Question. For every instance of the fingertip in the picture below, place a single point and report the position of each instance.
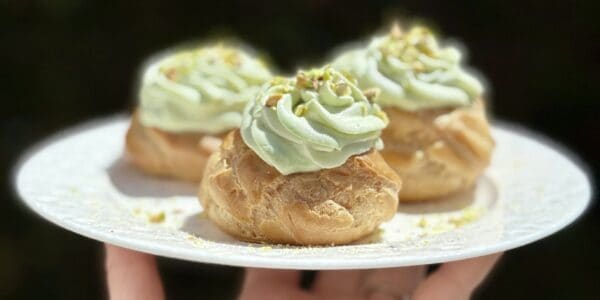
(456, 280)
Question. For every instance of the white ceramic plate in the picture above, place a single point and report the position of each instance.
(79, 181)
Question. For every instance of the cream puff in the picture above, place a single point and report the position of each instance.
(438, 139)
(187, 102)
(304, 168)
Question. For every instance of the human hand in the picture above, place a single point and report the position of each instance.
(134, 275)
(454, 280)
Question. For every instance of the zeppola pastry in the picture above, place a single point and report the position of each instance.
(304, 168)
(187, 102)
(438, 139)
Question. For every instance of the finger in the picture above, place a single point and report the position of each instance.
(337, 283)
(456, 280)
(132, 275)
(272, 284)
(393, 282)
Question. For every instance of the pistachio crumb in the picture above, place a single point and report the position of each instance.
(468, 215)
(372, 93)
(300, 110)
(273, 99)
(342, 88)
(170, 73)
(396, 31)
(315, 84)
(301, 80)
(422, 222)
(418, 66)
(232, 58)
(326, 75)
(157, 217)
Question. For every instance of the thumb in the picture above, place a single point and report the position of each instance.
(132, 275)
(272, 284)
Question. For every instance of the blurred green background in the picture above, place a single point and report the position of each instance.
(67, 61)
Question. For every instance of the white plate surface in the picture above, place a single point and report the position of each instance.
(79, 181)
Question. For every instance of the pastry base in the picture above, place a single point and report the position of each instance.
(251, 200)
(179, 155)
(437, 152)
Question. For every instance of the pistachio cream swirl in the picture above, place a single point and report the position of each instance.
(412, 71)
(314, 121)
(201, 90)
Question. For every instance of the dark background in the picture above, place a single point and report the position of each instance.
(63, 62)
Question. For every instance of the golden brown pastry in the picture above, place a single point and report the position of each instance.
(188, 100)
(277, 180)
(182, 156)
(437, 152)
(438, 139)
(251, 200)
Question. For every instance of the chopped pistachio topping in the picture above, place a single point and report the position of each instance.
(313, 121)
(408, 46)
(372, 93)
(300, 110)
(412, 71)
(200, 90)
(272, 100)
(157, 217)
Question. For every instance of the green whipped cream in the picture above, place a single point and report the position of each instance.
(314, 121)
(202, 90)
(411, 71)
